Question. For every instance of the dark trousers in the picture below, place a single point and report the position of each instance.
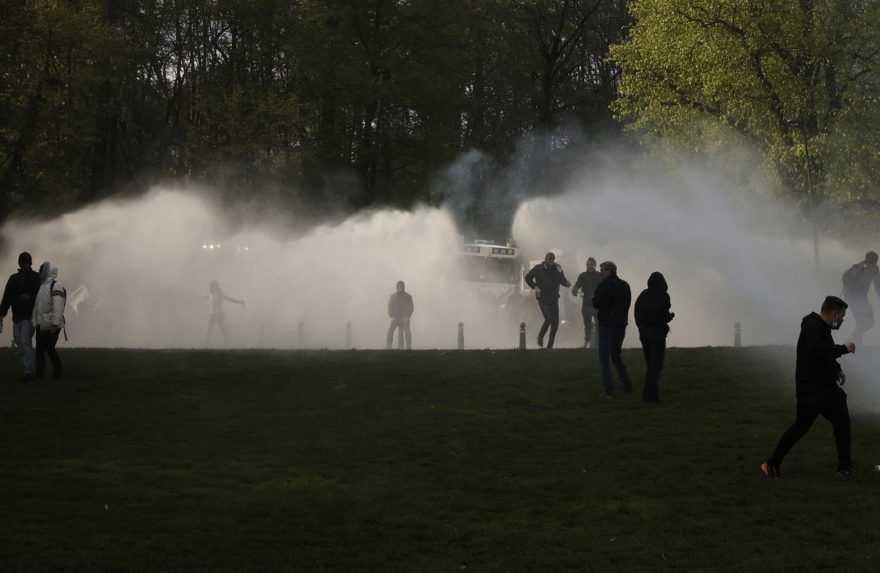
(654, 349)
(610, 347)
(46, 341)
(833, 407)
(588, 312)
(403, 331)
(550, 310)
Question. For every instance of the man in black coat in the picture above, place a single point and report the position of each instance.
(545, 279)
(19, 295)
(611, 301)
(587, 282)
(653, 318)
(817, 375)
(857, 282)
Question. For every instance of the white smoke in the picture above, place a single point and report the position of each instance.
(147, 263)
(727, 255)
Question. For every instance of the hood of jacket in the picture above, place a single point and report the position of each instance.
(657, 282)
(48, 272)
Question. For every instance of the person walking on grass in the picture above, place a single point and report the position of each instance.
(586, 283)
(652, 314)
(545, 279)
(857, 282)
(49, 319)
(19, 295)
(818, 381)
(612, 301)
(400, 310)
(217, 299)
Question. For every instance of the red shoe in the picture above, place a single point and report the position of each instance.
(771, 470)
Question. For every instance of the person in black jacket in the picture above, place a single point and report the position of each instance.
(19, 295)
(611, 301)
(587, 282)
(817, 375)
(400, 310)
(545, 279)
(856, 286)
(653, 318)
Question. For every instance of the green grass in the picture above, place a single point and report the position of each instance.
(425, 461)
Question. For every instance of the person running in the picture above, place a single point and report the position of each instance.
(612, 301)
(400, 310)
(856, 285)
(217, 298)
(652, 314)
(818, 381)
(19, 295)
(545, 279)
(586, 283)
(49, 319)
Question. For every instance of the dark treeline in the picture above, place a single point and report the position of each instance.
(325, 103)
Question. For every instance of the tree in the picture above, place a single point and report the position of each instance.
(786, 76)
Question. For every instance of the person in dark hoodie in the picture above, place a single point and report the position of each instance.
(611, 301)
(19, 295)
(818, 378)
(586, 283)
(545, 279)
(653, 318)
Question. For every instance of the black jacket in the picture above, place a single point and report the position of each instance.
(548, 280)
(817, 369)
(400, 305)
(612, 299)
(20, 294)
(587, 282)
(652, 308)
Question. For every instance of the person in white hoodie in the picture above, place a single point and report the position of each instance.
(49, 319)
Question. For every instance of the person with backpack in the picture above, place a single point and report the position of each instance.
(400, 310)
(49, 319)
(19, 295)
(652, 318)
(586, 283)
(545, 279)
(856, 285)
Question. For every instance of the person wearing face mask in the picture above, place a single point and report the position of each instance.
(587, 282)
(545, 279)
(818, 378)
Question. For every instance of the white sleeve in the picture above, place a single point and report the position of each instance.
(59, 302)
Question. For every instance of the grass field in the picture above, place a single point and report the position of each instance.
(424, 461)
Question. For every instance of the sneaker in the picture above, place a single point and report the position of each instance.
(27, 378)
(540, 342)
(771, 470)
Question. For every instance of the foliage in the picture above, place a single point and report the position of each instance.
(797, 79)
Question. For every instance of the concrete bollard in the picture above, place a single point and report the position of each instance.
(461, 336)
(348, 337)
(737, 335)
(300, 336)
(522, 335)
